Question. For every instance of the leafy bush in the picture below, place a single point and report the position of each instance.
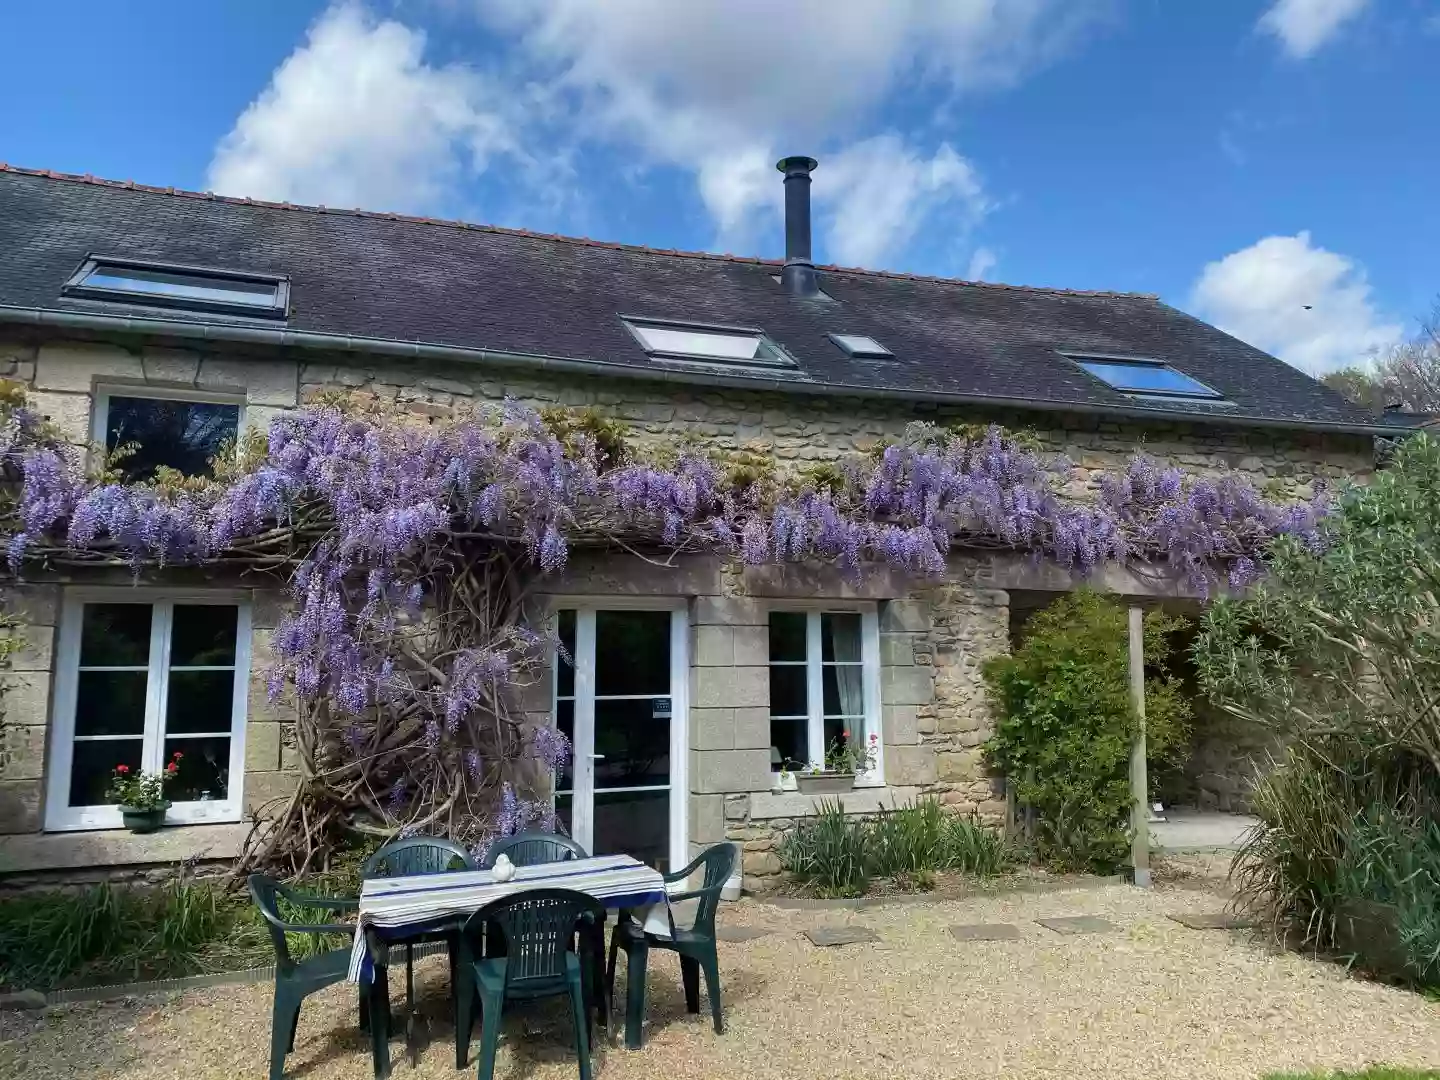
(1338, 650)
(1065, 724)
(838, 855)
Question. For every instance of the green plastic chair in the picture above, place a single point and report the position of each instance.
(533, 848)
(539, 927)
(402, 858)
(695, 945)
(296, 980)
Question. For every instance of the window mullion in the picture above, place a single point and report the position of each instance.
(157, 685)
(814, 691)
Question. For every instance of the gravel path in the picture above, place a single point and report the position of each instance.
(1151, 1000)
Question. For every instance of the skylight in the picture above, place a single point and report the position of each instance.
(859, 345)
(164, 285)
(708, 344)
(1148, 377)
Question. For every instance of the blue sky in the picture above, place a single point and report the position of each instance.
(1267, 164)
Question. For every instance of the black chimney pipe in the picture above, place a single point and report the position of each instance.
(798, 277)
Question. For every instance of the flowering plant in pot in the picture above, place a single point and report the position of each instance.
(844, 757)
(141, 795)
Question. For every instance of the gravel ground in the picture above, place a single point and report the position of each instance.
(1151, 1000)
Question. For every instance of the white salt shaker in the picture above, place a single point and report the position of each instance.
(504, 869)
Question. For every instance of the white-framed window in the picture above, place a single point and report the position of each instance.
(824, 682)
(140, 676)
(181, 429)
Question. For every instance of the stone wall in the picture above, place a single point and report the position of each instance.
(934, 636)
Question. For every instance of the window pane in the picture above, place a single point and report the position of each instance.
(565, 814)
(701, 342)
(1143, 378)
(110, 703)
(787, 635)
(840, 636)
(565, 721)
(204, 772)
(190, 286)
(787, 690)
(844, 686)
(115, 635)
(632, 652)
(203, 635)
(93, 763)
(199, 701)
(634, 739)
(565, 670)
(788, 741)
(634, 823)
(184, 435)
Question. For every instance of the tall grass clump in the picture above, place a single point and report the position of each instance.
(838, 855)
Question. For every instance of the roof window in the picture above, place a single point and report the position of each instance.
(226, 292)
(708, 344)
(860, 346)
(1149, 378)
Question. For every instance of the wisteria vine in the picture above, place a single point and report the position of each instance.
(410, 550)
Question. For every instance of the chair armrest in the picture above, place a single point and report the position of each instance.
(685, 871)
(694, 893)
(303, 899)
(318, 928)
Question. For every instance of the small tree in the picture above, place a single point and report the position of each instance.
(1066, 724)
(1407, 376)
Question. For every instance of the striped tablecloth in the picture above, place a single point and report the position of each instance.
(431, 899)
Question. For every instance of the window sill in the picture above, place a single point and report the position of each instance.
(115, 847)
(860, 800)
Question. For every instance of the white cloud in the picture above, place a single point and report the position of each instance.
(719, 89)
(982, 261)
(1311, 307)
(355, 117)
(1304, 26)
(725, 87)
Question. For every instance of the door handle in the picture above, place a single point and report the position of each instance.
(596, 757)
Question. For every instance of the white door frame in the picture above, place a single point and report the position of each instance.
(582, 799)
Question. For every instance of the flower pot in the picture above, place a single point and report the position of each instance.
(825, 783)
(144, 821)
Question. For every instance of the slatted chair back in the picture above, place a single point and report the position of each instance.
(534, 848)
(719, 862)
(417, 855)
(539, 927)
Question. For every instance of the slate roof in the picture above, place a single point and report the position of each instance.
(394, 278)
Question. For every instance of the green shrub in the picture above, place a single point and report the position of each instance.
(828, 851)
(838, 855)
(1065, 725)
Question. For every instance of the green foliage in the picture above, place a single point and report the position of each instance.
(1065, 724)
(108, 934)
(838, 855)
(1338, 650)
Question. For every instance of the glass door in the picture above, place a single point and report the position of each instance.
(620, 700)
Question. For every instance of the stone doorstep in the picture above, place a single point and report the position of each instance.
(829, 936)
(986, 932)
(1079, 924)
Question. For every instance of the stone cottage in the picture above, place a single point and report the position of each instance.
(175, 320)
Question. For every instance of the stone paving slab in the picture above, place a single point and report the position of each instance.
(1078, 924)
(740, 933)
(986, 932)
(827, 936)
(1219, 921)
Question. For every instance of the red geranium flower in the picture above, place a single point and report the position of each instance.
(178, 755)
(171, 767)
(846, 733)
(122, 769)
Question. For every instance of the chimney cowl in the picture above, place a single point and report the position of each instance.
(798, 277)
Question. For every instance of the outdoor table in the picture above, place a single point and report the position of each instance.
(393, 909)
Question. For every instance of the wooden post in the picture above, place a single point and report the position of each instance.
(1139, 780)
